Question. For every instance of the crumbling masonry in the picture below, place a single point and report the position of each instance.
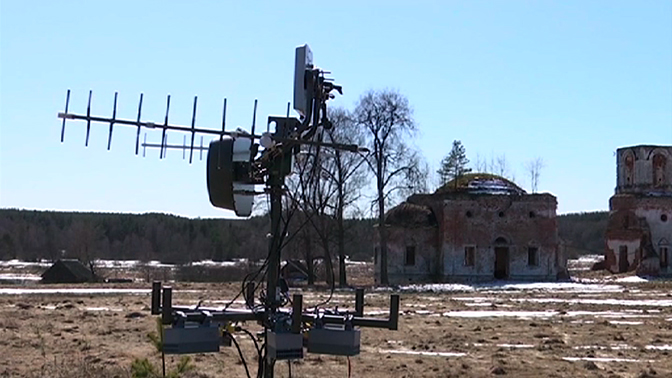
(640, 212)
(477, 228)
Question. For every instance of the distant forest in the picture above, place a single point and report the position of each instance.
(583, 233)
(33, 235)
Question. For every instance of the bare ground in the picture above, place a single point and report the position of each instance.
(526, 333)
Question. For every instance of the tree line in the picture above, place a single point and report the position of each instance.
(583, 233)
(34, 235)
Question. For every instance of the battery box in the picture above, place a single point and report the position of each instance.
(334, 340)
(284, 345)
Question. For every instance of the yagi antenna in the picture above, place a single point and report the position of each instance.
(193, 128)
(114, 115)
(88, 121)
(138, 123)
(137, 136)
(162, 146)
(67, 101)
(165, 124)
(165, 146)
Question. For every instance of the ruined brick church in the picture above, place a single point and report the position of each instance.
(639, 229)
(478, 227)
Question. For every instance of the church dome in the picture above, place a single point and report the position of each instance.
(480, 183)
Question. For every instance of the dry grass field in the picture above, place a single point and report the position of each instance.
(603, 326)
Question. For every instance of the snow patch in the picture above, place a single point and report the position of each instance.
(605, 302)
(352, 262)
(495, 314)
(631, 279)
(437, 288)
(602, 347)
(234, 262)
(19, 277)
(498, 286)
(658, 347)
(584, 262)
(24, 264)
(78, 291)
(516, 346)
(600, 359)
(103, 309)
(540, 314)
(422, 353)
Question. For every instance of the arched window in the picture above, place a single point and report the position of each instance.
(659, 162)
(501, 240)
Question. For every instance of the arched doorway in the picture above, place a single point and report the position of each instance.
(623, 263)
(501, 259)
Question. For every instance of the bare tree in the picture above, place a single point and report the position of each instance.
(309, 201)
(387, 118)
(297, 213)
(533, 169)
(348, 176)
(85, 238)
(501, 166)
(481, 164)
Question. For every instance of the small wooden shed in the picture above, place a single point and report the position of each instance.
(67, 271)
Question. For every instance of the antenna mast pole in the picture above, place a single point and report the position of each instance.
(275, 183)
(234, 168)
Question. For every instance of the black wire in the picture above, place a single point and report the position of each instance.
(265, 266)
(259, 276)
(256, 346)
(289, 366)
(291, 237)
(331, 292)
(328, 254)
(262, 365)
(242, 290)
(258, 272)
(254, 340)
(333, 283)
(240, 353)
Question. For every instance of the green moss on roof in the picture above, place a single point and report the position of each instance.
(480, 183)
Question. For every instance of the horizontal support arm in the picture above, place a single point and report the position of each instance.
(198, 315)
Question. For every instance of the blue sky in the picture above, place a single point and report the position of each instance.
(567, 81)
